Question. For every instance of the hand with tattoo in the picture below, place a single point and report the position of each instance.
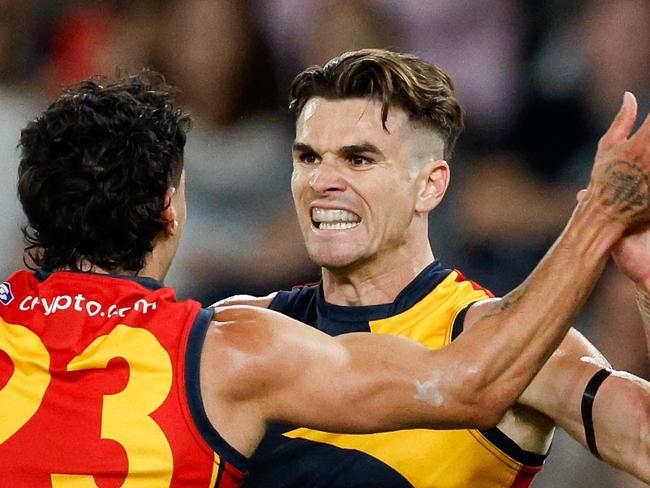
(626, 168)
(620, 180)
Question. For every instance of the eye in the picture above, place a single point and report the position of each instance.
(356, 160)
(308, 158)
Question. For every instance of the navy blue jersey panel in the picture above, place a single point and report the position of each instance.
(320, 466)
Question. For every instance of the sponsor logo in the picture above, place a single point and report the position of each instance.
(79, 303)
(6, 295)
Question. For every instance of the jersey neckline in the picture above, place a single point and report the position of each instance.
(150, 283)
(416, 290)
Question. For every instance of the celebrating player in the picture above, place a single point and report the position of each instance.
(374, 133)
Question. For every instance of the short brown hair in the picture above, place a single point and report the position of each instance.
(422, 90)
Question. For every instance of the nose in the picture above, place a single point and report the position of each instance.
(326, 177)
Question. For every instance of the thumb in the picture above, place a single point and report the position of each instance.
(622, 124)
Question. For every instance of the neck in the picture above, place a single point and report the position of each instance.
(373, 283)
(159, 260)
(152, 268)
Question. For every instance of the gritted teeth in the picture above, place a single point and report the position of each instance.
(334, 218)
(337, 226)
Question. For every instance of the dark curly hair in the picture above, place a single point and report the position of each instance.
(94, 170)
(422, 90)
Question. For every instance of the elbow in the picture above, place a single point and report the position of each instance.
(482, 418)
(487, 402)
(487, 414)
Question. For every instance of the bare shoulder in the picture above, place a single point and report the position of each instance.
(250, 349)
(253, 301)
(241, 362)
(241, 336)
(235, 349)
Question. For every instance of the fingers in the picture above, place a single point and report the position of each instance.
(623, 122)
(580, 195)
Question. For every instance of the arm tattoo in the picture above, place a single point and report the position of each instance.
(507, 302)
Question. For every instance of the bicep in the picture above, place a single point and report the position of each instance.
(358, 383)
(352, 383)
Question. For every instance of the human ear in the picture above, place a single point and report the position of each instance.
(435, 180)
(168, 214)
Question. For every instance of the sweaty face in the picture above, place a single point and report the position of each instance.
(352, 184)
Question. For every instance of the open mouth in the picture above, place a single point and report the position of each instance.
(334, 219)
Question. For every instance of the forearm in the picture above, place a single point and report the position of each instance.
(524, 328)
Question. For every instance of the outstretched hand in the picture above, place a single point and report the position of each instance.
(620, 179)
(621, 174)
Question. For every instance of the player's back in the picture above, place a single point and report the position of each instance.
(99, 386)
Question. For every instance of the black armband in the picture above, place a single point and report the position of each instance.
(588, 405)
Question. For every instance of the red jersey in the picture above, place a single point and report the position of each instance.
(99, 386)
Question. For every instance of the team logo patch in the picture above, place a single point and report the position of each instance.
(6, 295)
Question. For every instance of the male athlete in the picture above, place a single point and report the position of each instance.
(106, 380)
(374, 130)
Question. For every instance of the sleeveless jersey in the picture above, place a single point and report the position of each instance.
(429, 310)
(99, 386)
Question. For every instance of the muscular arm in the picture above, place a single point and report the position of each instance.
(260, 366)
(272, 368)
(551, 296)
(621, 409)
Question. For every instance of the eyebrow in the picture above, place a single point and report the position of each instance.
(302, 147)
(343, 151)
(360, 149)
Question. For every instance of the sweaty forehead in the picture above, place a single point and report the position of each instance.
(348, 121)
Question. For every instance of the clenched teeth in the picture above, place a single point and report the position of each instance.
(334, 219)
(337, 226)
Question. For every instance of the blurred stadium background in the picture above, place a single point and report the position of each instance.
(539, 82)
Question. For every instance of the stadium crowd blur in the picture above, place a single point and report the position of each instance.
(539, 81)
